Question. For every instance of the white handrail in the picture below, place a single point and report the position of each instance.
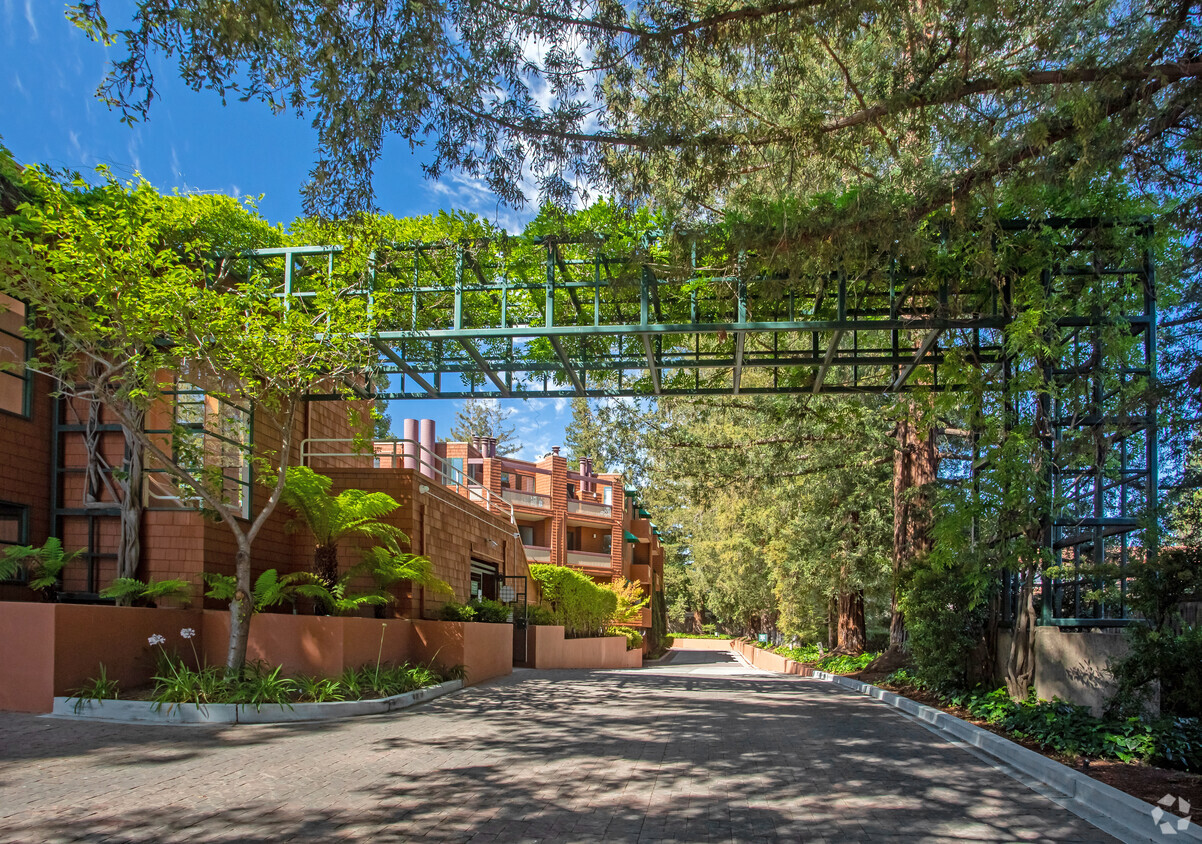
(444, 473)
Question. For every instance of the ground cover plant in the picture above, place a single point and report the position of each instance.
(822, 660)
(1069, 729)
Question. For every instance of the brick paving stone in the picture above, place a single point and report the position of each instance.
(690, 752)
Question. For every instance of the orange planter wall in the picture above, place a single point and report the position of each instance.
(484, 650)
(549, 649)
(312, 645)
(53, 649)
(701, 644)
(769, 661)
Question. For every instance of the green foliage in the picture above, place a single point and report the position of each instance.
(576, 602)
(485, 418)
(1165, 654)
(271, 589)
(259, 684)
(42, 567)
(99, 688)
(130, 590)
(319, 689)
(1072, 730)
(831, 663)
(631, 601)
(387, 564)
(945, 622)
(452, 611)
(539, 616)
(634, 639)
(489, 612)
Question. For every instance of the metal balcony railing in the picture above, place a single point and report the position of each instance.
(537, 554)
(587, 508)
(588, 559)
(391, 454)
(527, 499)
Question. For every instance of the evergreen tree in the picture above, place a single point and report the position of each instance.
(584, 435)
(485, 418)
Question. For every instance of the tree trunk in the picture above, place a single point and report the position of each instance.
(129, 552)
(852, 634)
(832, 623)
(1020, 665)
(242, 607)
(915, 467)
(325, 564)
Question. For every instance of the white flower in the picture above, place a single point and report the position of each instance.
(187, 632)
(156, 639)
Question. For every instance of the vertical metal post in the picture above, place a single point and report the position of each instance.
(458, 319)
(287, 280)
(550, 287)
(1151, 434)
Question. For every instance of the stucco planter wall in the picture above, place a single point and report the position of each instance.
(50, 650)
(53, 649)
(484, 650)
(140, 711)
(769, 661)
(700, 644)
(549, 649)
(320, 646)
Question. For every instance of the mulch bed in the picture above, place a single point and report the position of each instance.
(1147, 782)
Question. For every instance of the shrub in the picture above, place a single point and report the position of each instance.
(1164, 652)
(944, 625)
(634, 639)
(538, 615)
(490, 612)
(131, 591)
(452, 611)
(581, 606)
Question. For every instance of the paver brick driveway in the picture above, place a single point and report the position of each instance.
(696, 751)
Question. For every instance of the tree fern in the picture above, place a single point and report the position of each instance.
(42, 567)
(331, 517)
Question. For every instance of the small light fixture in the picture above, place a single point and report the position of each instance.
(492, 543)
(423, 488)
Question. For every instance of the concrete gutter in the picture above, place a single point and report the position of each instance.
(145, 712)
(1114, 812)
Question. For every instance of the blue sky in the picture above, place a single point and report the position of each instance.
(49, 115)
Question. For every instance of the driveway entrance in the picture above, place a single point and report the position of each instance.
(700, 748)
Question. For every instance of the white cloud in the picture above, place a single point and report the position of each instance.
(20, 87)
(29, 18)
(561, 405)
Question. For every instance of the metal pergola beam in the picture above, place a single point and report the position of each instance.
(820, 377)
(928, 342)
(649, 346)
(471, 349)
(406, 369)
(567, 364)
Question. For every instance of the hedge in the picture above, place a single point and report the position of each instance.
(581, 606)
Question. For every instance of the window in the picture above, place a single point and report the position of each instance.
(571, 490)
(14, 524)
(455, 473)
(505, 484)
(527, 534)
(212, 434)
(607, 495)
(14, 349)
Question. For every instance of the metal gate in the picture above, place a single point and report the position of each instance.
(511, 591)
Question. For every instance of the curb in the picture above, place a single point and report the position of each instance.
(144, 711)
(1115, 812)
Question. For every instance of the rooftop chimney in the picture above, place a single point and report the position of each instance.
(555, 450)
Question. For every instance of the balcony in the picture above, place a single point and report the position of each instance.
(589, 560)
(526, 499)
(537, 554)
(587, 508)
(641, 573)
